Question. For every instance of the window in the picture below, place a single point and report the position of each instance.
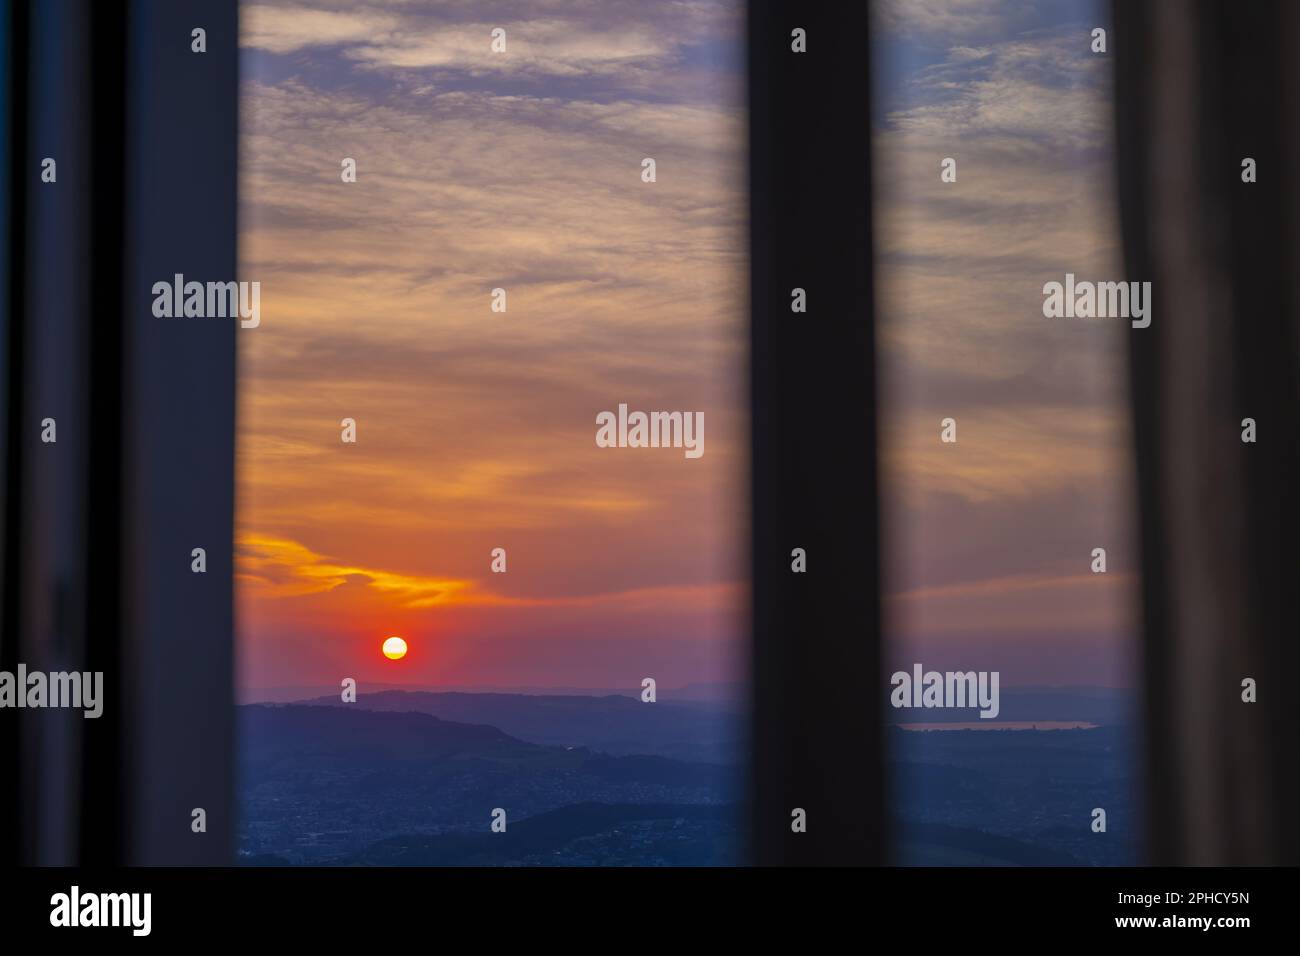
(1008, 545)
(493, 435)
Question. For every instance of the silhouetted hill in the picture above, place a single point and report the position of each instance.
(689, 730)
(298, 734)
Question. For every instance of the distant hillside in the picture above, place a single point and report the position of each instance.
(320, 783)
(1035, 787)
(614, 724)
(278, 735)
(1097, 705)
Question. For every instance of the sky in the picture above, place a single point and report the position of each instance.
(988, 541)
(521, 170)
(476, 429)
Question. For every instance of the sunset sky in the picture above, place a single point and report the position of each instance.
(989, 541)
(476, 430)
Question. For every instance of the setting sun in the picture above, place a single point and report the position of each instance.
(394, 648)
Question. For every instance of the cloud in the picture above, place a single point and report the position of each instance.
(1036, 604)
(1016, 452)
(281, 568)
(290, 28)
(1027, 92)
(271, 567)
(614, 41)
(960, 23)
(554, 47)
(962, 264)
(945, 19)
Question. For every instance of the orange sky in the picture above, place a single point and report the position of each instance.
(476, 429)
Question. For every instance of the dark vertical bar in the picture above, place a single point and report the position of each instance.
(16, 185)
(1257, 100)
(1132, 29)
(104, 824)
(1199, 87)
(817, 687)
(178, 492)
(98, 526)
(55, 370)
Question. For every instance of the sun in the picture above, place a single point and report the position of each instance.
(394, 648)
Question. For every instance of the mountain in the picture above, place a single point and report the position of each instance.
(276, 737)
(692, 730)
(319, 784)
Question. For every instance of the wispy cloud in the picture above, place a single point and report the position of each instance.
(617, 41)
(282, 568)
(957, 23)
(1027, 94)
(290, 28)
(279, 568)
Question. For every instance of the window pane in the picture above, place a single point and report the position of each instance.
(1008, 543)
(472, 244)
